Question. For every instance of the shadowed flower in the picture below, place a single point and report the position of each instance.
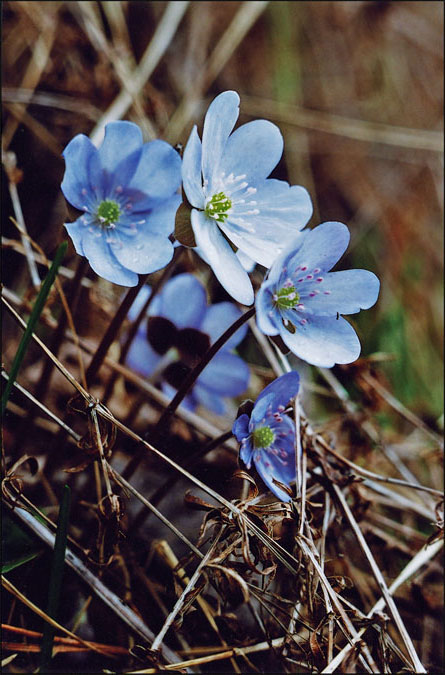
(225, 180)
(126, 189)
(178, 332)
(268, 437)
(302, 301)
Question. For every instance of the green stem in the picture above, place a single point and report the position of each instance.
(55, 580)
(33, 319)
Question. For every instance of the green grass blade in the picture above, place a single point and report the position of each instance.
(35, 314)
(55, 580)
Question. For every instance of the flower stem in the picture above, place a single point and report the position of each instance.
(197, 370)
(166, 274)
(185, 388)
(113, 330)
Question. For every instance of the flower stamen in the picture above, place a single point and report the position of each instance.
(108, 212)
(218, 207)
(263, 437)
(286, 297)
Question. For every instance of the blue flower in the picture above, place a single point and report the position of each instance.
(268, 437)
(225, 180)
(126, 190)
(302, 301)
(179, 330)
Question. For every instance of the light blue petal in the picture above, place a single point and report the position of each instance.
(141, 357)
(345, 292)
(103, 261)
(183, 301)
(219, 121)
(323, 341)
(208, 399)
(159, 217)
(277, 213)
(278, 394)
(261, 410)
(246, 452)
(144, 253)
(226, 375)
(321, 248)
(82, 183)
(218, 318)
(76, 231)
(279, 463)
(246, 261)
(191, 170)
(158, 174)
(121, 140)
(240, 428)
(279, 269)
(267, 317)
(254, 149)
(161, 220)
(139, 302)
(222, 259)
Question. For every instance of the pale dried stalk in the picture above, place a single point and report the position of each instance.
(165, 31)
(369, 474)
(9, 160)
(421, 558)
(163, 549)
(171, 617)
(44, 409)
(34, 608)
(40, 55)
(288, 560)
(244, 19)
(265, 346)
(218, 656)
(195, 420)
(418, 667)
(400, 408)
(103, 592)
(122, 66)
(63, 299)
(351, 407)
(103, 461)
(360, 130)
(397, 500)
(128, 486)
(49, 100)
(311, 555)
(63, 271)
(65, 372)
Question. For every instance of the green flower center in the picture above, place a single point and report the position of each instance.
(263, 437)
(287, 297)
(108, 212)
(218, 207)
